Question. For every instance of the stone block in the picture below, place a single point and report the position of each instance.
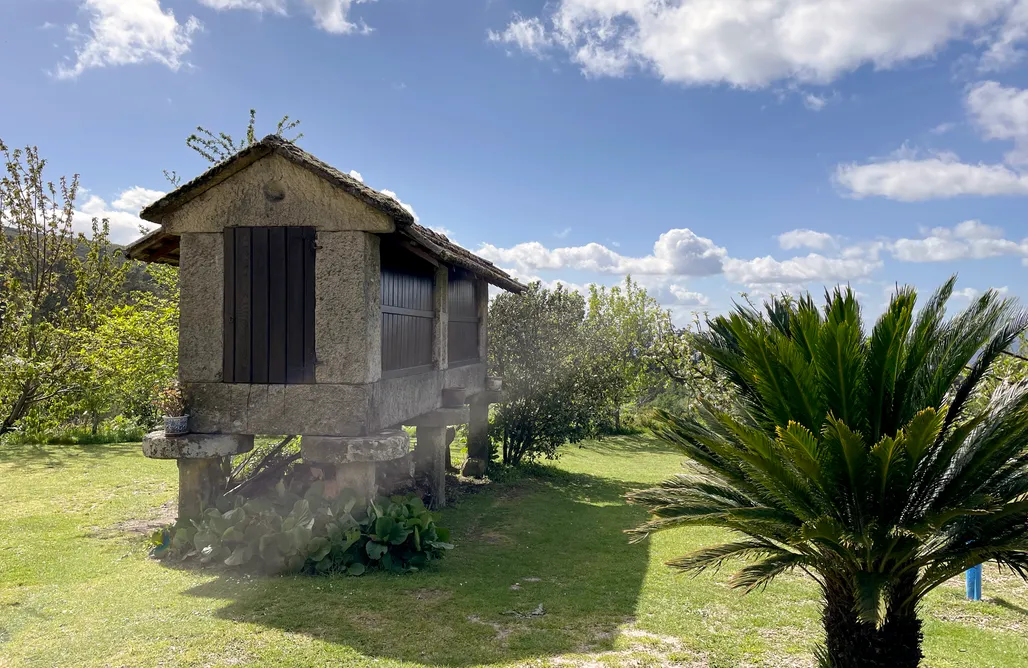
(356, 476)
(441, 417)
(200, 483)
(473, 467)
(328, 410)
(430, 462)
(348, 320)
(201, 322)
(157, 445)
(381, 447)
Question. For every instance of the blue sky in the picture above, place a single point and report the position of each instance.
(708, 147)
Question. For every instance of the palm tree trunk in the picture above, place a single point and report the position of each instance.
(853, 643)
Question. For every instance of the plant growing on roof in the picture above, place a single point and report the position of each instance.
(870, 462)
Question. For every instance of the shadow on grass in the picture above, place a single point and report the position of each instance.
(626, 445)
(57, 456)
(555, 541)
(1004, 603)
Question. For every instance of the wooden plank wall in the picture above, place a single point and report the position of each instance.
(407, 320)
(462, 342)
(269, 305)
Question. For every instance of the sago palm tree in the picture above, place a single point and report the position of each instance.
(875, 464)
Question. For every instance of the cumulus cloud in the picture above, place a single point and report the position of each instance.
(937, 177)
(1001, 112)
(329, 15)
(806, 239)
(122, 214)
(127, 33)
(137, 198)
(997, 112)
(678, 252)
(753, 44)
(812, 268)
(969, 240)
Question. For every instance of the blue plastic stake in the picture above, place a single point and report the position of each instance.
(973, 583)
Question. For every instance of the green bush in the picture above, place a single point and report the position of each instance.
(289, 533)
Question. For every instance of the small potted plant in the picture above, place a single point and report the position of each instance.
(172, 406)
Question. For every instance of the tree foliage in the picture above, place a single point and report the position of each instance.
(54, 285)
(621, 327)
(534, 343)
(861, 459)
(132, 350)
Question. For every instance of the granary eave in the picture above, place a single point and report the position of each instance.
(163, 248)
(251, 154)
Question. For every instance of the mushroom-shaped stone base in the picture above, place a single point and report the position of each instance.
(356, 459)
(202, 465)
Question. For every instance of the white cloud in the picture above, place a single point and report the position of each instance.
(752, 43)
(390, 193)
(813, 268)
(678, 252)
(940, 176)
(563, 234)
(997, 112)
(136, 198)
(529, 35)
(943, 128)
(814, 102)
(971, 294)
(121, 215)
(125, 33)
(969, 240)
(1000, 112)
(275, 6)
(806, 239)
(1006, 46)
(686, 297)
(329, 15)
(357, 175)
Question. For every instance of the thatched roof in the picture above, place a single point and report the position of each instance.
(161, 246)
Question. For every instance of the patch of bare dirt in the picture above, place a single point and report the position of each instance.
(432, 596)
(165, 515)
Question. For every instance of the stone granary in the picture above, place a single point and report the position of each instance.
(314, 305)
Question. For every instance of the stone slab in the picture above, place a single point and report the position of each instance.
(382, 447)
(442, 417)
(157, 445)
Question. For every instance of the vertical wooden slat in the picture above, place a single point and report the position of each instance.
(294, 305)
(277, 305)
(308, 304)
(259, 321)
(243, 302)
(228, 316)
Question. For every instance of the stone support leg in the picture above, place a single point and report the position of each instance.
(356, 459)
(359, 477)
(478, 439)
(430, 461)
(200, 483)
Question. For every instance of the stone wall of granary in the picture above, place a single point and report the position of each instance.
(349, 396)
(273, 192)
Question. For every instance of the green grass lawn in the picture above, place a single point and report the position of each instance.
(77, 587)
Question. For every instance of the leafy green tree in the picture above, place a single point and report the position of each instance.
(132, 351)
(621, 327)
(534, 345)
(861, 460)
(53, 284)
